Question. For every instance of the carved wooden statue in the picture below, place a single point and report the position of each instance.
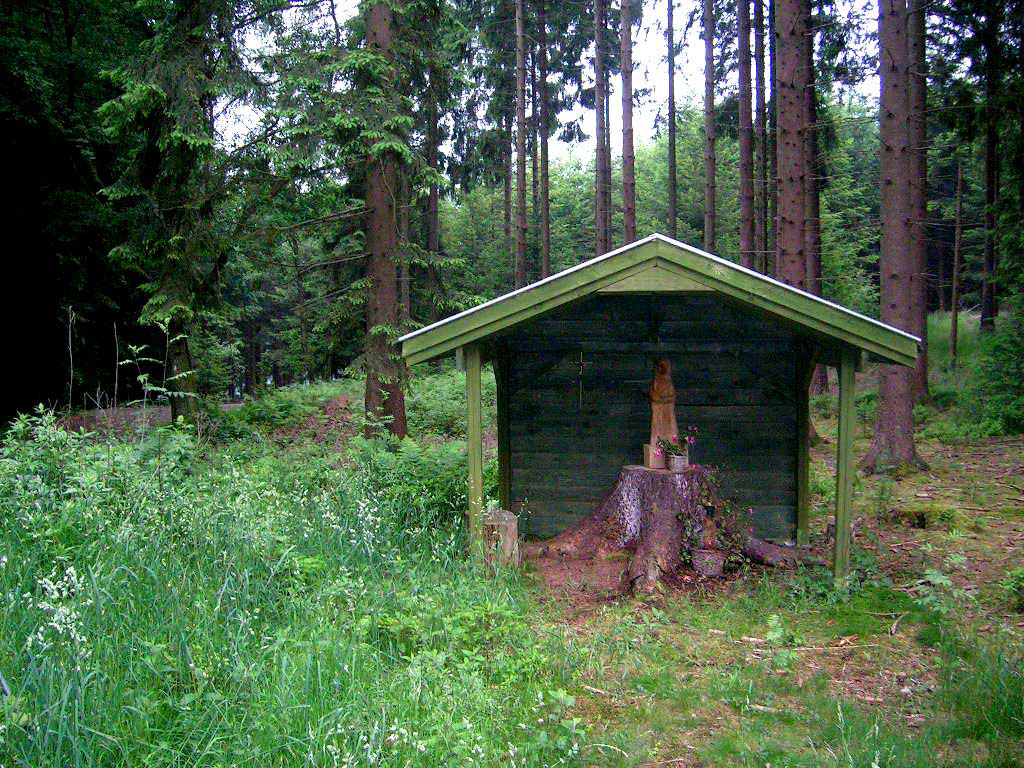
(663, 403)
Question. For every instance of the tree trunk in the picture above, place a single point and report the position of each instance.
(628, 161)
(772, 183)
(954, 293)
(708, 29)
(646, 510)
(385, 400)
(404, 200)
(673, 213)
(748, 226)
(893, 443)
(534, 158)
(812, 195)
(993, 79)
(545, 188)
(520, 263)
(760, 145)
(181, 374)
(791, 112)
(916, 41)
(507, 180)
(601, 244)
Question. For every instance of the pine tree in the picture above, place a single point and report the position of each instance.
(893, 443)
(628, 160)
(673, 213)
(748, 247)
(708, 32)
(791, 113)
(520, 260)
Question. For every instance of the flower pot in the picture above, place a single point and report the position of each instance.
(708, 562)
(679, 462)
(654, 458)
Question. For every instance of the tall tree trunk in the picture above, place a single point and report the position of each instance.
(812, 193)
(607, 186)
(772, 182)
(628, 160)
(404, 201)
(791, 113)
(534, 153)
(916, 42)
(181, 374)
(601, 238)
(545, 188)
(993, 77)
(893, 443)
(385, 400)
(748, 226)
(520, 270)
(708, 31)
(760, 145)
(954, 293)
(507, 169)
(673, 213)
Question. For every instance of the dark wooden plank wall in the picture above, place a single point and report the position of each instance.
(735, 378)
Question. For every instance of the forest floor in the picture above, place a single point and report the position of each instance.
(767, 669)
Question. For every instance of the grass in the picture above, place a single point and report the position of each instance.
(174, 600)
(249, 608)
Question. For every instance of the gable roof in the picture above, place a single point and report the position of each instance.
(661, 264)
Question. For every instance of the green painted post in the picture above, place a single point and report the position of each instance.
(844, 465)
(474, 442)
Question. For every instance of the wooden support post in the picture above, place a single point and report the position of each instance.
(502, 379)
(474, 443)
(844, 466)
(803, 454)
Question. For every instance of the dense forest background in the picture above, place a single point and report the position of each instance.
(242, 195)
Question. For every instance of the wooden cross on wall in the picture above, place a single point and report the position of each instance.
(582, 364)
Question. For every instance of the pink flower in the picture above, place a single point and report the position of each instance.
(675, 438)
(657, 451)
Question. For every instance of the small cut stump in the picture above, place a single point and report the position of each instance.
(644, 514)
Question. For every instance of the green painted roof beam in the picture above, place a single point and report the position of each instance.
(789, 305)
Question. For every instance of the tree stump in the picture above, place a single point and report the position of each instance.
(645, 512)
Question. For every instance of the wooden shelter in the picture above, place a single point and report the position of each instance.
(572, 357)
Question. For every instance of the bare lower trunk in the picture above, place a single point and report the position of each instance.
(520, 262)
(893, 443)
(954, 293)
(545, 188)
(628, 173)
(385, 400)
(791, 112)
(673, 212)
(993, 82)
(601, 234)
(918, 104)
(404, 248)
(760, 144)
(708, 27)
(771, 246)
(181, 375)
(748, 226)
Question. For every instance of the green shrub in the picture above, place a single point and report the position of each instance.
(823, 406)
(1000, 381)
(1013, 585)
(866, 406)
(250, 609)
(436, 403)
(983, 684)
(422, 484)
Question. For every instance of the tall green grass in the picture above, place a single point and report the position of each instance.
(248, 609)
